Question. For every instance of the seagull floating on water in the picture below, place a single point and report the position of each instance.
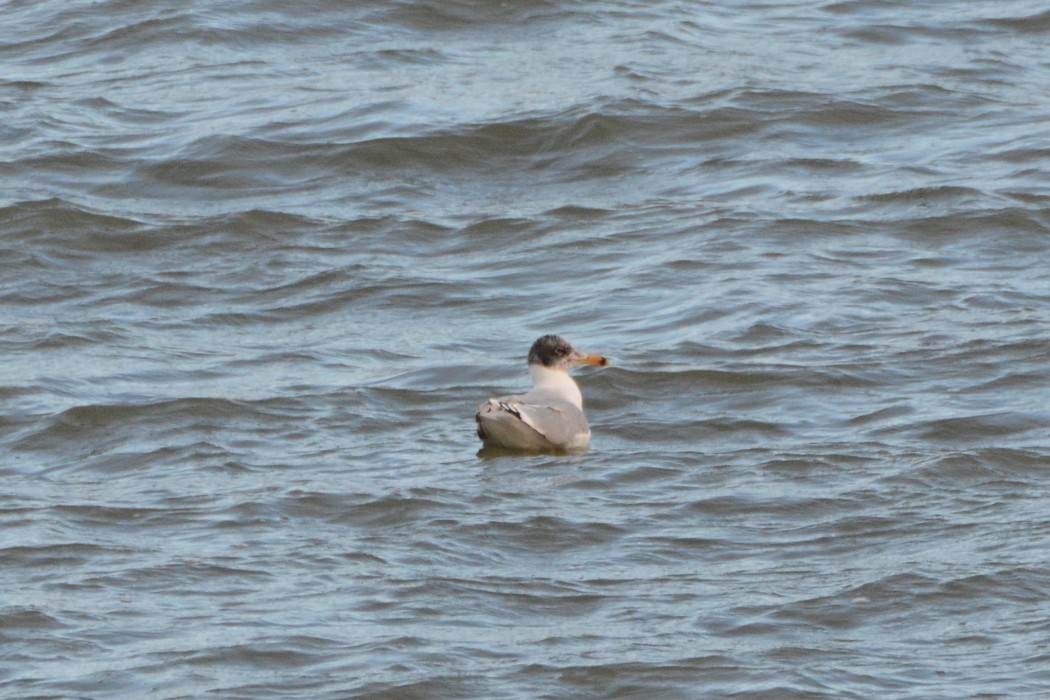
(550, 416)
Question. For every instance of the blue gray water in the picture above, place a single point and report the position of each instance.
(261, 261)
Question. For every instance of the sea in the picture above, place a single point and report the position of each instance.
(261, 261)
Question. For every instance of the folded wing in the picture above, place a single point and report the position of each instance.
(516, 422)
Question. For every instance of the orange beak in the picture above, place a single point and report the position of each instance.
(593, 360)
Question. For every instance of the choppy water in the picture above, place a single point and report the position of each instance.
(260, 262)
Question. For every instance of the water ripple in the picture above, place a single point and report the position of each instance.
(260, 266)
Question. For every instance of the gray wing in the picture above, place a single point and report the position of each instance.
(559, 421)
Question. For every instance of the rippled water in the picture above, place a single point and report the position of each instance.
(261, 261)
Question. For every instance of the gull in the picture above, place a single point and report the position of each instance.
(550, 416)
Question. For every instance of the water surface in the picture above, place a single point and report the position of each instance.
(260, 264)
